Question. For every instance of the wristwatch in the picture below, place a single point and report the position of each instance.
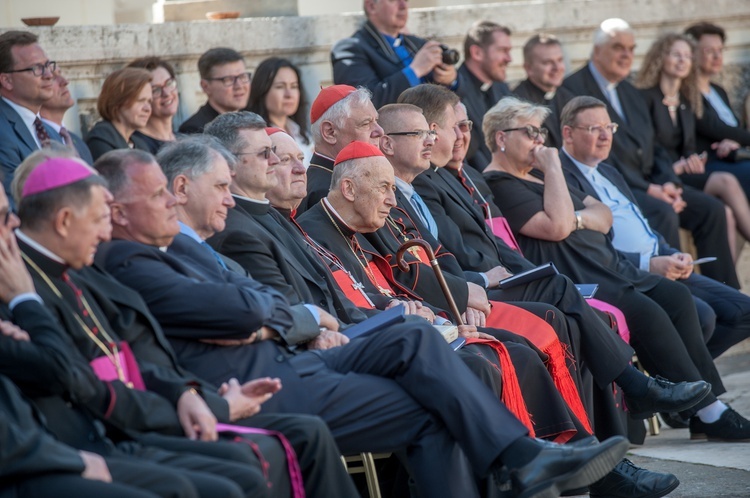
(579, 221)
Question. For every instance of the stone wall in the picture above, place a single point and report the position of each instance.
(89, 53)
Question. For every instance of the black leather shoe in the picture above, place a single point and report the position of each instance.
(674, 420)
(731, 427)
(560, 467)
(665, 396)
(628, 481)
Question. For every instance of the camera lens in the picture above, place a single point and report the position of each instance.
(450, 56)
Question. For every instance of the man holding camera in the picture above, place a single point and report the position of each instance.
(385, 60)
(482, 81)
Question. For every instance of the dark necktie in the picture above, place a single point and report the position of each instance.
(214, 254)
(469, 186)
(41, 132)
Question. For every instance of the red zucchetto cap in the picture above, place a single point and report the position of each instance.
(326, 98)
(55, 173)
(357, 150)
(270, 130)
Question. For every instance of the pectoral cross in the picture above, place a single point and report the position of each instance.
(358, 286)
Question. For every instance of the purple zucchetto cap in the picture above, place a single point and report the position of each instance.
(55, 173)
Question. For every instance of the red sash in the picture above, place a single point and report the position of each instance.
(511, 396)
(543, 336)
(347, 285)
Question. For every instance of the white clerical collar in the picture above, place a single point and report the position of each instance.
(257, 201)
(486, 86)
(336, 214)
(39, 247)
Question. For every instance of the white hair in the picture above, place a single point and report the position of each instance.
(339, 112)
(609, 28)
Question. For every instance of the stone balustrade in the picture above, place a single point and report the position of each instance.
(88, 53)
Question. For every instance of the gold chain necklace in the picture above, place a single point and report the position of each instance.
(111, 352)
(367, 270)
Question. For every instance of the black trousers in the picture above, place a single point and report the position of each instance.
(605, 354)
(317, 453)
(665, 332)
(705, 218)
(214, 468)
(75, 486)
(731, 307)
(404, 389)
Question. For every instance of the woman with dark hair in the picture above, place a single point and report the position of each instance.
(164, 104)
(124, 105)
(277, 95)
(668, 82)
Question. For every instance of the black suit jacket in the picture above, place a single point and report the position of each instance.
(710, 128)
(26, 448)
(194, 298)
(78, 408)
(127, 408)
(634, 150)
(199, 120)
(318, 181)
(677, 143)
(104, 137)
(529, 91)
(575, 179)
(477, 103)
(366, 59)
(134, 323)
(273, 252)
(461, 226)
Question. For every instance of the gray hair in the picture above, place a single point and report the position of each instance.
(192, 156)
(339, 112)
(609, 28)
(506, 114)
(353, 169)
(113, 165)
(226, 128)
(576, 106)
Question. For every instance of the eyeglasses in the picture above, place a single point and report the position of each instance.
(532, 131)
(422, 134)
(266, 152)
(465, 125)
(38, 69)
(227, 81)
(598, 129)
(160, 90)
(716, 52)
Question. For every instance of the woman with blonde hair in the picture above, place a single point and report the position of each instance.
(668, 83)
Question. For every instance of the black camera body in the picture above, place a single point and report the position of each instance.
(450, 55)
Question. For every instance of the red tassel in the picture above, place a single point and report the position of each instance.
(512, 397)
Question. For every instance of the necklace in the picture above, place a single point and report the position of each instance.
(672, 102)
(108, 346)
(327, 256)
(365, 267)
